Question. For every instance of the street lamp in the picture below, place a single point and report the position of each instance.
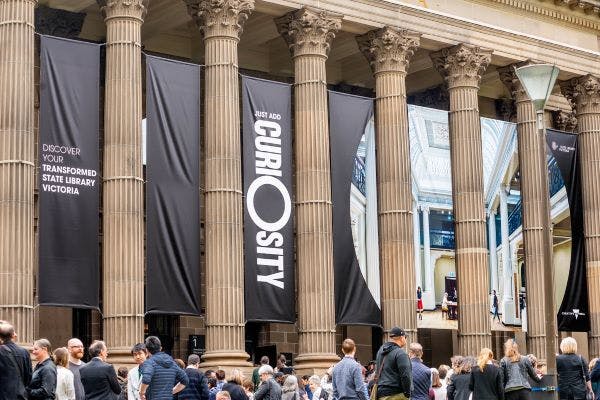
(538, 81)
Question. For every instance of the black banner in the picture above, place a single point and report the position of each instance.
(173, 187)
(573, 313)
(268, 224)
(348, 118)
(69, 185)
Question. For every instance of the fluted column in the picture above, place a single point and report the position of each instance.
(17, 165)
(309, 34)
(221, 23)
(388, 51)
(493, 244)
(534, 193)
(584, 92)
(462, 66)
(123, 185)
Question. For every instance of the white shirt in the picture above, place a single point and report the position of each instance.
(134, 380)
(65, 387)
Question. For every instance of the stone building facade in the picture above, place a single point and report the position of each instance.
(457, 55)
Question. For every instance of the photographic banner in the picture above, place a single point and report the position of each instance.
(69, 182)
(348, 119)
(573, 313)
(268, 224)
(172, 187)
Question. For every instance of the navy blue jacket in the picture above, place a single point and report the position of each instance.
(16, 367)
(421, 375)
(99, 380)
(161, 374)
(197, 389)
(43, 381)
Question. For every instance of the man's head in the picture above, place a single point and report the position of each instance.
(349, 347)
(209, 373)
(193, 360)
(280, 377)
(98, 349)
(153, 344)
(139, 353)
(220, 375)
(265, 372)
(75, 347)
(415, 350)
(223, 395)
(398, 336)
(122, 372)
(7, 332)
(264, 360)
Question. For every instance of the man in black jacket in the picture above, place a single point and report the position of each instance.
(394, 369)
(197, 389)
(99, 378)
(17, 361)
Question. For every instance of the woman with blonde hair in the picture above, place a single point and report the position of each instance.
(234, 385)
(572, 369)
(65, 386)
(486, 379)
(516, 369)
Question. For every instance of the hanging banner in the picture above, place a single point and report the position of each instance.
(573, 313)
(268, 224)
(172, 187)
(348, 119)
(69, 183)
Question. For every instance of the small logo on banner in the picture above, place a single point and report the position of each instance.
(562, 148)
(575, 313)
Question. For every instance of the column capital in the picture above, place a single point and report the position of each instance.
(388, 49)
(509, 78)
(426, 209)
(582, 91)
(220, 17)
(462, 65)
(564, 120)
(136, 9)
(491, 213)
(309, 31)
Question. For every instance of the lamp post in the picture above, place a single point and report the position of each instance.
(538, 81)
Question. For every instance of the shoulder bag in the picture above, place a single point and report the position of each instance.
(376, 379)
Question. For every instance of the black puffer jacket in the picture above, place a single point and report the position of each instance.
(396, 375)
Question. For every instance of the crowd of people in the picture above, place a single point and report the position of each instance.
(398, 373)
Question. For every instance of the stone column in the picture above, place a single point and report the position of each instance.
(493, 246)
(508, 301)
(417, 243)
(428, 289)
(309, 34)
(388, 51)
(534, 193)
(17, 151)
(221, 23)
(462, 66)
(584, 92)
(123, 184)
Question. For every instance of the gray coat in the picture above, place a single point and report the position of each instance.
(515, 373)
(268, 390)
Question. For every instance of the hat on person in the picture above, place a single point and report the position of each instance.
(397, 332)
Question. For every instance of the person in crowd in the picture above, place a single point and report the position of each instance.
(306, 386)
(15, 363)
(197, 388)
(420, 302)
(212, 383)
(393, 364)
(437, 387)
(370, 370)
(515, 370)
(234, 385)
(347, 376)
(458, 386)
(222, 395)
(99, 378)
(161, 377)
(264, 360)
(572, 369)
(248, 387)
(43, 379)
(122, 378)
(179, 363)
(421, 373)
(269, 389)
(315, 387)
(289, 391)
(281, 364)
(65, 386)
(445, 306)
(76, 353)
(443, 371)
(280, 378)
(495, 306)
(486, 379)
(220, 376)
(209, 373)
(327, 382)
(134, 376)
(595, 377)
